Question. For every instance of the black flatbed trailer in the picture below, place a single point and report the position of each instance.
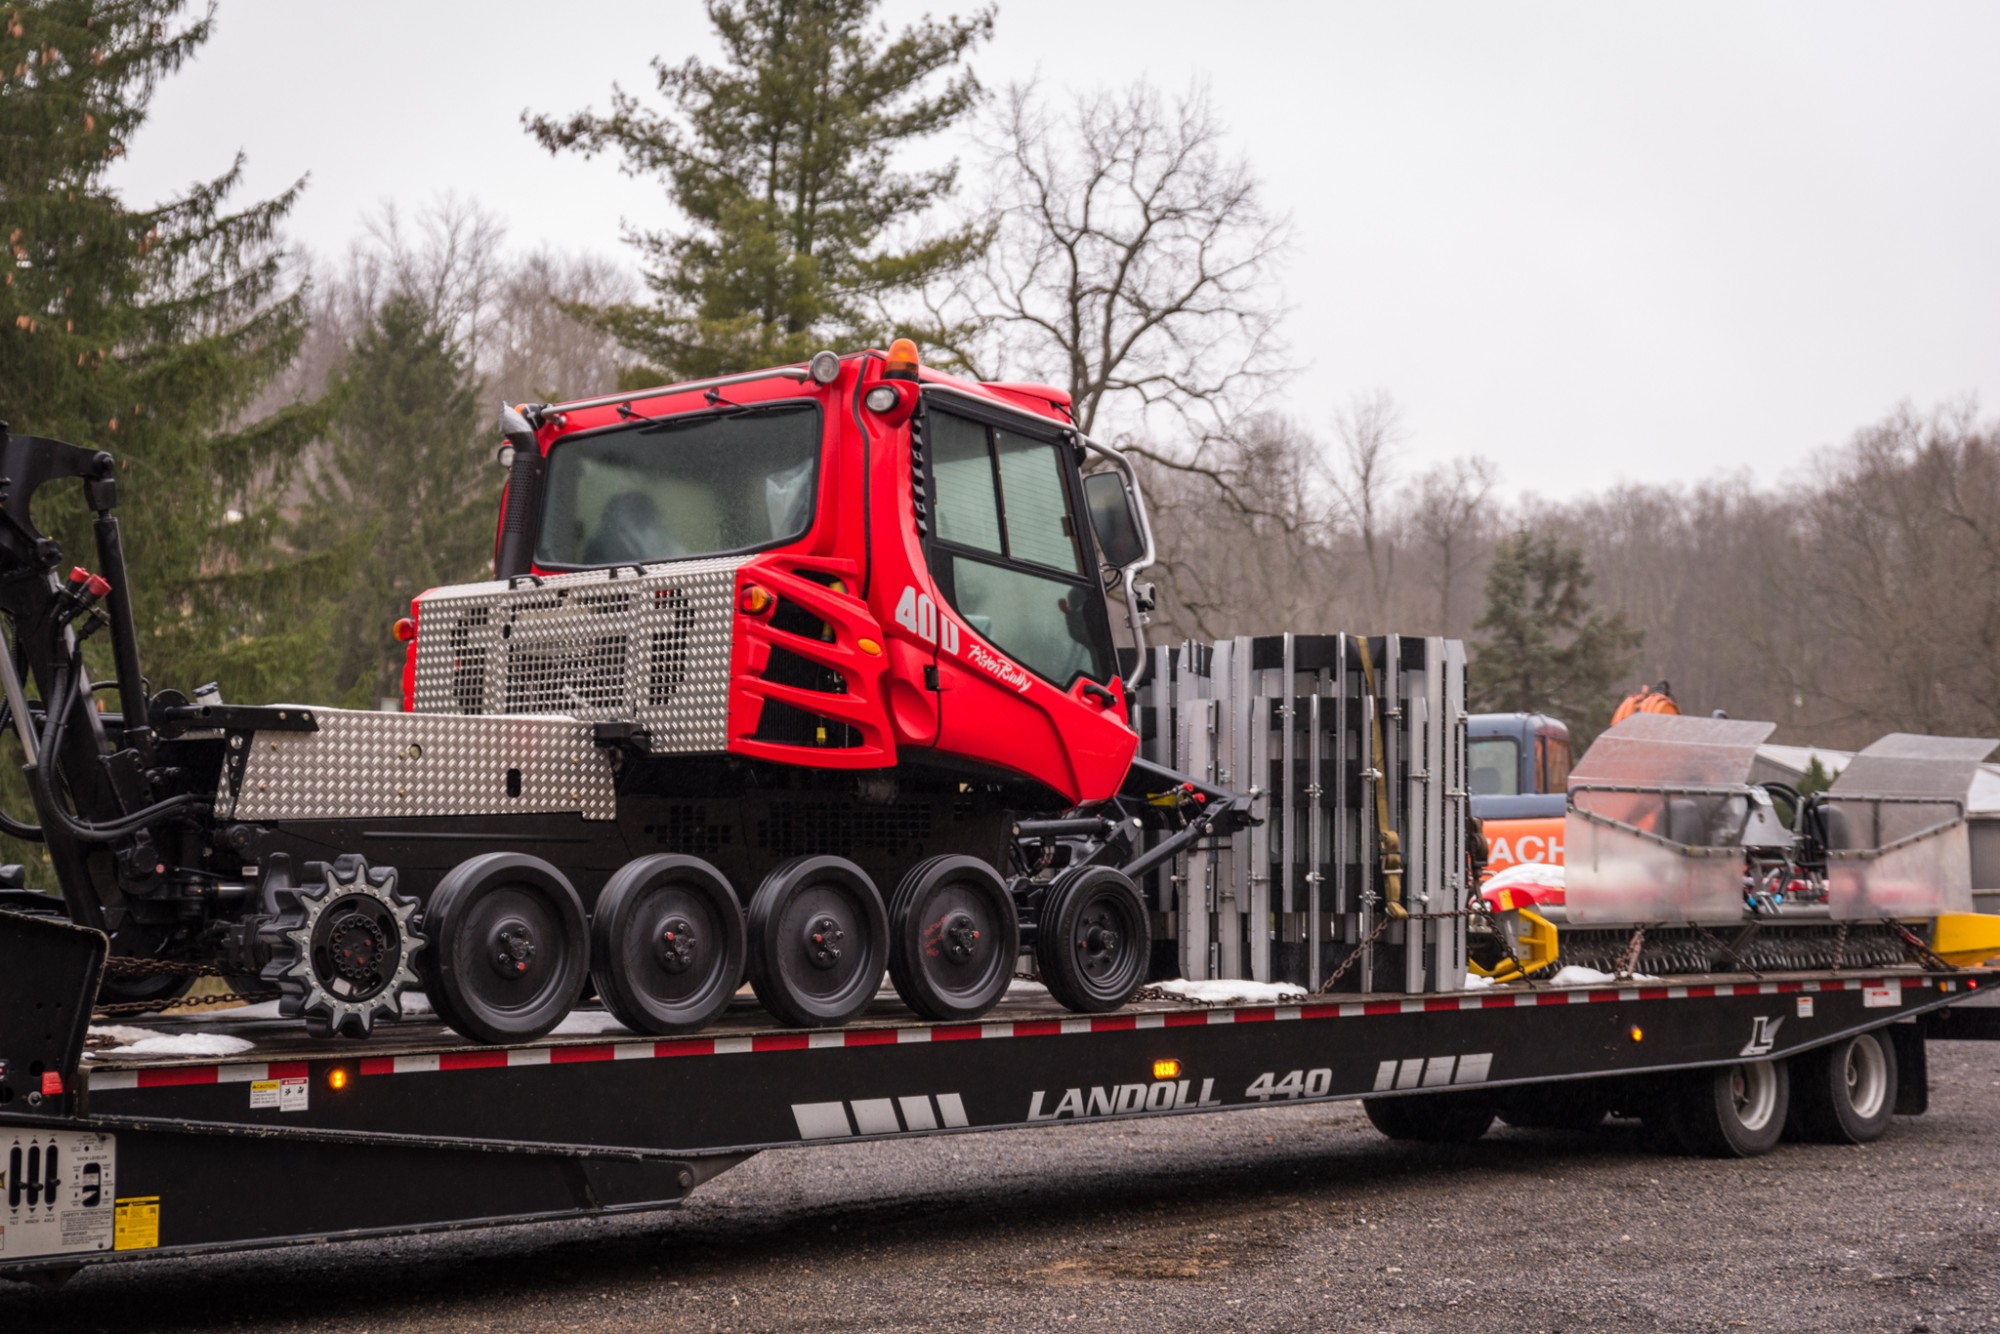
(291, 1140)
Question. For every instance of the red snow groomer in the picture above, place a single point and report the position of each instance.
(842, 631)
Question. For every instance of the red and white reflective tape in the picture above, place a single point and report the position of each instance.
(494, 1058)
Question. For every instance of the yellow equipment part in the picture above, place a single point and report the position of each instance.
(1966, 939)
(1533, 937)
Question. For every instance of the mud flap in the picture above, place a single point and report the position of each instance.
(1913, 1071)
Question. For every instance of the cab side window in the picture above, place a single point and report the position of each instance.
(1008, 555)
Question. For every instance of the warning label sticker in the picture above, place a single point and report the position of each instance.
(1883, 997)
(287, 1095)
(138, 1223)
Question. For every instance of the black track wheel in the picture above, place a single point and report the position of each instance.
(1432, 1118)
(509, 947)
(1845, 1092)
(1093, 940)
(819, 940)
(667, 944)
(1733, 1111)
(953, 938)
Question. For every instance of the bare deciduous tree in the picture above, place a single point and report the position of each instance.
(1132, 262)
(1448, 510)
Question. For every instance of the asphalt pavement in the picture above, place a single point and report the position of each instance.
(1294, 1219)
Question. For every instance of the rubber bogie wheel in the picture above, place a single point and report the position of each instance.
(1432, 1118)
(1845, 1092)
(1733, 1111)
(953, 938)
(509, 947)
(819, 941)
(667, 943)
(1094, 942)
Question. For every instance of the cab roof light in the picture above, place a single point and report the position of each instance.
(901, 363)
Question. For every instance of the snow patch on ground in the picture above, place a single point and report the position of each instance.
(116, 1034)
(1229, 991)
(1571, 975)
(587, 1023)
(180, 1044)
(1474, 982)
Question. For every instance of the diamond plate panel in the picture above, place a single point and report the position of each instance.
(649, 644)
(388, 764)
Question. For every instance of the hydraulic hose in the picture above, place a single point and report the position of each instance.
(64, 698)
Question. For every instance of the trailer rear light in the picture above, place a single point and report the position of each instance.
(405, 630)
(336, 1078)
(1166, 1069)
(755, 600)
(1638, 1033)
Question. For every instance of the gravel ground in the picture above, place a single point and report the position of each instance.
(1279, 1220)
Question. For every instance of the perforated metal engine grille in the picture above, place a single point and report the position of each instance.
(651, 647)
(388, 764)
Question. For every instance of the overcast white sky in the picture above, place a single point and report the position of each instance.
(1593, 242)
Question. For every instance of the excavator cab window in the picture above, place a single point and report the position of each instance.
(1554, 763)
(1010, 553)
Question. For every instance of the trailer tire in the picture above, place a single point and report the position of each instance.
(1731, 1111)
(667, 944)
(1432, 1118)
(819, 941)
(1093, 940)
(953, 938)
(512, 912)
(1844, 1092)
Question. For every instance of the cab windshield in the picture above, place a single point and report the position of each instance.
(704, 484)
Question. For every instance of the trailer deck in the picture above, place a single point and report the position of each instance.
(291, 1140)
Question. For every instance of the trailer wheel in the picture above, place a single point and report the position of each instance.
(1845, 1092)
(1094, 940)
(819, 941)
(1733, 1111)
(509, 947)
(667, 941)
(953, 937)
(1432, 1118)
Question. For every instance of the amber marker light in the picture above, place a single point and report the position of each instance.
(1638, 1033)
(901, 363)
(336, 1078)
(1166, 1069)
(405, 630)
(755, 600)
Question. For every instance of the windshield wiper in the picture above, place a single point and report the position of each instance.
(732, 410)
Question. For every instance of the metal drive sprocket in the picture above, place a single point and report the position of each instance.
(342, 947)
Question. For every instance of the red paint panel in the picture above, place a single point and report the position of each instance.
(1440, 1003)
(174, 1077)
(1114, 1023)
(378, 1065)
(956, 1033)
(781, 1042)
(472, 1060)
(1038, 1028)
(288, 1070)
(578, 1055)
(1194, 1019)
(1312, 1012)
(869, 1037)
(1700, 992)
(1598, 997)
(1653, 993)
(1382, 1007)
(685, 1047)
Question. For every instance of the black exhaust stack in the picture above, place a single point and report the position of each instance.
(516, 555)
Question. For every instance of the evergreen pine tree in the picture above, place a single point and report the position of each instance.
(780, 160)
(399, 500)
(1544, 648)
(148, 332)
